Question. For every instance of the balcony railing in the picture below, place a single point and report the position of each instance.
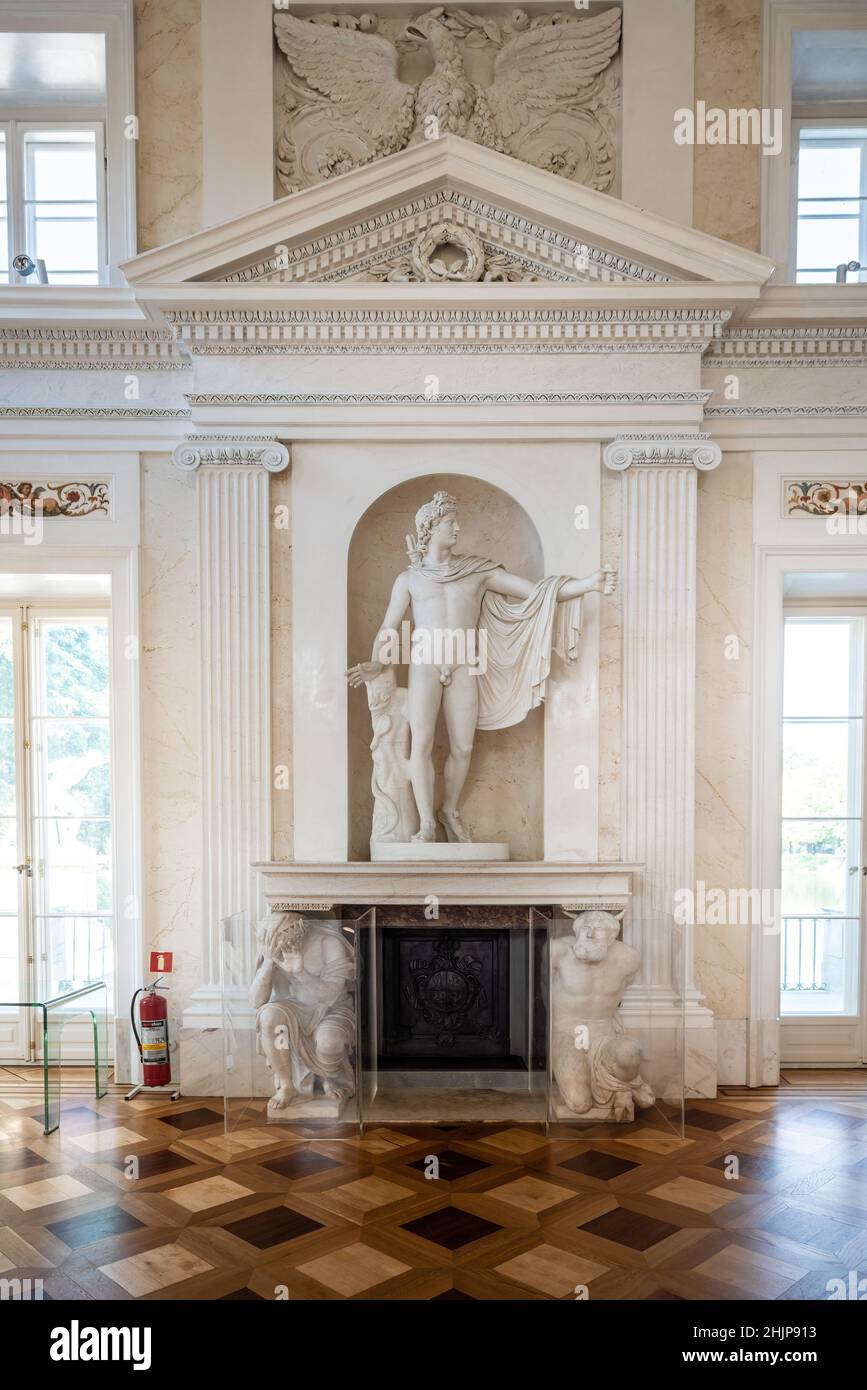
(804, 951)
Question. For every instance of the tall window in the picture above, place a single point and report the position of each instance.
(56, 888)
(9, 963)
(4, 213)
(54, 200)
(831, 201)
(822, 829)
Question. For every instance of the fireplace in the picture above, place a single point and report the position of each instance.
(457, 1004)
(446, 997)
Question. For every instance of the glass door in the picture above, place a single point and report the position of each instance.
(56, 883)
(14, 860)
(823, 855)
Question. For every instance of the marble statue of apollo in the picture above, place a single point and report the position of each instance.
(452, 596)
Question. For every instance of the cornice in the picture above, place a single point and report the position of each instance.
(801, 346)
(91, 412)
(784, 412)
(666, 450)
(354, 398)
(45, 348)
(231, 451)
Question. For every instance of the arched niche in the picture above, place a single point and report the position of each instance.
(504, 795)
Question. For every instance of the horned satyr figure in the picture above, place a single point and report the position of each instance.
(596, 1064)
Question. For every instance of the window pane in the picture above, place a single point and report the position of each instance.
(830, 172)
(814, 207)
(8, 860)
(66, 244)
(73, 759)
(60, 200)
(9, 986)
(4, 229)
(7, 767)
(78, 951)
(815, 955)
(819, 277)
(75, 667)
(62, 171)
(818, 678)
(820, 768)
(75, 866)
(817, 857)
(91, 277)
(827, 241)
(7, 689)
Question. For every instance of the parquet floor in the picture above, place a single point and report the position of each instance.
(150, 1200)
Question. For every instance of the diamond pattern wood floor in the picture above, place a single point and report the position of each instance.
(150, 1200)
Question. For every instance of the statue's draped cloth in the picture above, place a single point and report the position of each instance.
(521, 635)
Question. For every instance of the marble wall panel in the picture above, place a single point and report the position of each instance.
(723, 722)
(170, 705)
(168, 72)
(610, 675)
(728, 73)
(281, 664)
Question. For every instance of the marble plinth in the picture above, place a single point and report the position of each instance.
(598, 1114)
(442, 1106)
(390, 852)
(307, 1108)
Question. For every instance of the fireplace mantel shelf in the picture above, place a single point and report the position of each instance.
(290, 885)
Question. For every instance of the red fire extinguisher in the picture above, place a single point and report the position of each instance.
(153, 1045)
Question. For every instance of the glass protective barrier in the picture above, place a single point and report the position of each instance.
(70, 1025)
(615, 1002)
(298, 1020)
(453, 1026)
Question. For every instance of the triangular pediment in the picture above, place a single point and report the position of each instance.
(444, 212)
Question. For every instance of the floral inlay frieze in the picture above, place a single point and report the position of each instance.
(823, 498)
(54, 499)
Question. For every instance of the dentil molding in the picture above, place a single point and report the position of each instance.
(243, 332)
(248, 450)
(629, 450)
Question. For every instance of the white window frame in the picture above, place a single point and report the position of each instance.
(18, 220)
(781, 19)
(77, 1042)
(110, 546)
(829, 1041)
(829, 123)
(114, 19)
(854, 994)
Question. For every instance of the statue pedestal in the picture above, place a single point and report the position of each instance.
(599, 1113)
(420, 851)
(307, 1108)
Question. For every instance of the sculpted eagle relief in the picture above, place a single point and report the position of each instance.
(358, 88)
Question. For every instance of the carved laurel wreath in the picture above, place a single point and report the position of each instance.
(428, 266)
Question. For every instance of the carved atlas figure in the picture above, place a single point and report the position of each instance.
(596, 1063)
(483, 660)
(305, 1014)
(343, 88)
